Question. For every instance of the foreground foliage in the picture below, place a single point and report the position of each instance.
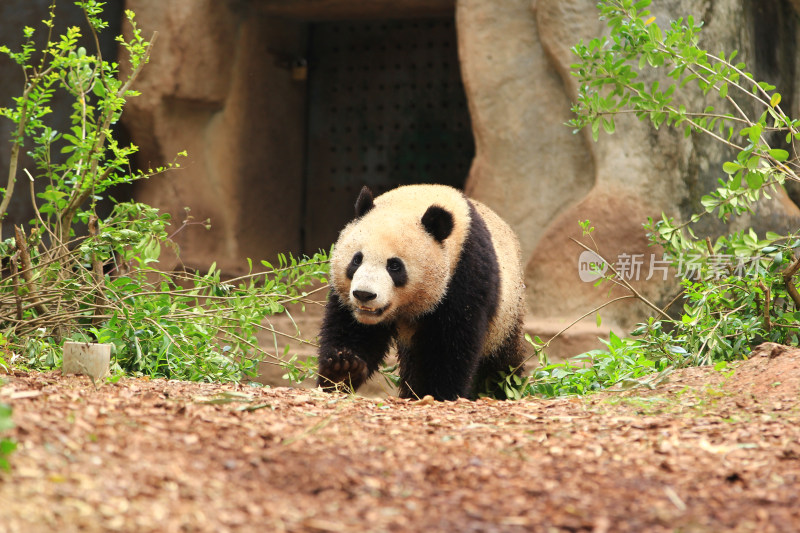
(7, 446)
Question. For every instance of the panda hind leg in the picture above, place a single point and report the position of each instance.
(510, 354)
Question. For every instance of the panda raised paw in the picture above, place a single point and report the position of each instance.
(341, 369)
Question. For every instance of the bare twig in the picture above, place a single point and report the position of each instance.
(97, 272)
(675, 299)
(17, 288)
(623, 282)
(16, 144)
(709, 246)
(565, 328)
(767, 305)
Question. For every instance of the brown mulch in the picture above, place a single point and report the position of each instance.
(709, 451)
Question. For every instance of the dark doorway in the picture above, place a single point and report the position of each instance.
(386, 108)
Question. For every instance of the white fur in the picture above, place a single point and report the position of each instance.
(393, 228)
(372, 277)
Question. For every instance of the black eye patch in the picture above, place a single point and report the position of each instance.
(397, 271)
(355, 262)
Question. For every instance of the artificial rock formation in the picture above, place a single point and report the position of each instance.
(226, 83)
(221, 85)
(515, 62)
(217, 88)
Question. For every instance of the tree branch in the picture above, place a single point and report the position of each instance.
(788, 274)
(27, 271)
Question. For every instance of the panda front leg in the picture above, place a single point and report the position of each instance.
(349, 352)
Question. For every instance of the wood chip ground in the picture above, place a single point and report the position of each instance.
(709, 451)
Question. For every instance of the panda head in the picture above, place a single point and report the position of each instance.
(394, 260)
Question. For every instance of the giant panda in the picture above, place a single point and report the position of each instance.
(433, 271)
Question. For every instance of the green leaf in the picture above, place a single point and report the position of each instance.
(754, 180)
(730, 167)
(766, 86)
(99, 90)
(778, 154)
(655, 33)
(754, 132)
(775, 100)
(7, 446)
(5, 417)
(709, 202)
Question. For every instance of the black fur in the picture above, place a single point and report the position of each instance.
(349, 350)
(509, 354)
(364, 202)
(438, 222)
(397, 271)
(445, 352)
(444, 356)
(355, 262)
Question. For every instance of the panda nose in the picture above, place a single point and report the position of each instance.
(364, 296)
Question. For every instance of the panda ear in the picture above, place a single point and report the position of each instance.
(438, 222)
(364, 202)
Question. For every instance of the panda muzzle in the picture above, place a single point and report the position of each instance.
(361, 297)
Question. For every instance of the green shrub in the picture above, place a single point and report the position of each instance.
(741, 290)
(105, 285)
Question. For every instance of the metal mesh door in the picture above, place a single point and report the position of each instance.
(386, 107)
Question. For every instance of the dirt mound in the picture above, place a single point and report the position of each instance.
(772, 373)
(708, 451)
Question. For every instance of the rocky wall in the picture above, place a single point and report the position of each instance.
(529, 165)
(219, 86)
